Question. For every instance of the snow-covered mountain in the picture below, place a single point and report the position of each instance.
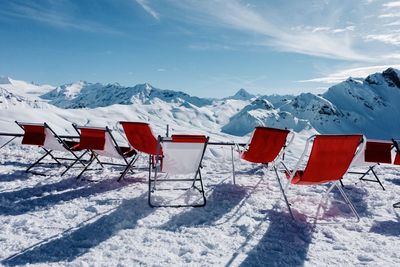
(24, 89)
(369, 106)
(91, 95)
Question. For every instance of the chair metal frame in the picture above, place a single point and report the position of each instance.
(334, 184)
(95, 156)
(397, 147)
(157, 160)
(372, 168)
(279, 160)
(48, 152)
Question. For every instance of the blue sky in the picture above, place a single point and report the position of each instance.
(205, 48)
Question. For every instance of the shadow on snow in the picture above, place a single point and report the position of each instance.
(77, 242)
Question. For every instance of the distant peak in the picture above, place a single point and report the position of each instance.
(242, 94)
(148, 86)
(5, 80)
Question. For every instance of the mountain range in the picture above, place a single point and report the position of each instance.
(368, 105)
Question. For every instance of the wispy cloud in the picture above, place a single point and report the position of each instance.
(392, 4)
(238, 16)
(342, 75)
(393, 38)
(148, 9)
(52, 14)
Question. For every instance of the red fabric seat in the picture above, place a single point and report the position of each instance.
(189, 138)
(33, 134)
(397, 159)
(265, 145)
(92, 138)
(378, 152)
(141, 137)
(329, 160)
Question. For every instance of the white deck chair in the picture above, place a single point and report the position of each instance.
(41, 135)
(179, 165)
(100, 142)
(375, 153)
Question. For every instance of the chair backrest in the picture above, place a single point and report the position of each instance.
(265, 145)
(183, 153)
(141, 137)
(99, 140)
(378, 151)
(41, 134)
(34, 134)
(330, 157)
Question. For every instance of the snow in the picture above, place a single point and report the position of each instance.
(59, 221)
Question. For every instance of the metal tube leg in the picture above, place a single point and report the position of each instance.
(283, 192)
(348, 201)
(84, 169)
(128, 167)
(54, 158)
(73, 163)
(396, 205)
(377, 178)
(37, 162)
(233, 166)
(9, 141)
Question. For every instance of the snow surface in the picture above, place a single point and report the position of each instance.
(56, 220)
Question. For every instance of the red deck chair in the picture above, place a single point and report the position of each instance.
(376, 152)
(396, 162)
(141, 137)
(267, 146)
(101, 142)
(41, 135)
(329, 160)
(181, 157)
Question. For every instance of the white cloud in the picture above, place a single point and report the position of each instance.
(393, 38)
(342, 75)
(389, 15)
(148, 9)
(392, 4)
(235, 15)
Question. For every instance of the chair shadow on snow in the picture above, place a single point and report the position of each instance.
(387, 228)
(223, 199)
(15, 175)
(356, 195)
(285, 243)
(77, 242)
(32, 199)
(394, 181)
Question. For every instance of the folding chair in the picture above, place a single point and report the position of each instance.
(329, 160)
(181, 156)
(376, 152)
(267, 146)
(141, 137)
(100, 142)
(41, 135)
(396, 162)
